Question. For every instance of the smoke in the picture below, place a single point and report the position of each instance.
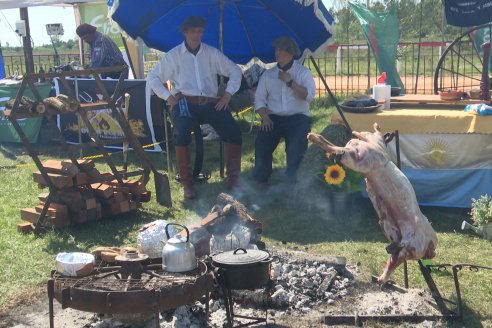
(308, 194)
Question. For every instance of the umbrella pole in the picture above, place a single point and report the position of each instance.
(221, 25)
(331, 94)
(221, 45)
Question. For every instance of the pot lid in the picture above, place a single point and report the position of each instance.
(240, 256)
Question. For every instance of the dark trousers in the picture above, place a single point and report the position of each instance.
(222, 122)
(294, 130)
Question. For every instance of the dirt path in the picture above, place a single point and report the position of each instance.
(34, 312)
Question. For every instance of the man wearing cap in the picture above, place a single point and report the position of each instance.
(192, 68)
(282, 100)
(104, 52)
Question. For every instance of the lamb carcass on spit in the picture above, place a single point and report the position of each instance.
(408, 230)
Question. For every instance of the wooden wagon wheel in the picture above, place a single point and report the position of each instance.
(461, 66)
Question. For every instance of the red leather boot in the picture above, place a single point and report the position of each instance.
(184, 169)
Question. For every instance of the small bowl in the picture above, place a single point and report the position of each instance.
(451, 95)
(74, 264)
(395, 91)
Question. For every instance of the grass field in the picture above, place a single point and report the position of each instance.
(292, 217)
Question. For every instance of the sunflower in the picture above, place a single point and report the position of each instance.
(334, 174)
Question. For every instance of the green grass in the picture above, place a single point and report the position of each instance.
(292, 217)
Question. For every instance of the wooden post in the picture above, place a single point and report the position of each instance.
(26, 42)
(484, 82)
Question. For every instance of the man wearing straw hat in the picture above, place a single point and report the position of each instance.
(192, 68)
(282, 100)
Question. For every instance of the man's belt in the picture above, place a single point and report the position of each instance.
(197, 100)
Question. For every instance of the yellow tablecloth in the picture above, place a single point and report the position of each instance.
(415, 121)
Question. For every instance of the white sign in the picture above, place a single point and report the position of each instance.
(54, 29)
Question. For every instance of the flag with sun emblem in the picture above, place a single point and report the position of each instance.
(382, 32)
(441, 171)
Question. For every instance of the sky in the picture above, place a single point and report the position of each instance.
(38, 18)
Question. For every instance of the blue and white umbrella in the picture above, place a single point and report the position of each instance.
(242, 29)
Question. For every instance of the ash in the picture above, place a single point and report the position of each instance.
(298, 285)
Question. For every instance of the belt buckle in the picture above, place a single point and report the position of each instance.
(202, 100)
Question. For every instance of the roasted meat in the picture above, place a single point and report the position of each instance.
(408, 230)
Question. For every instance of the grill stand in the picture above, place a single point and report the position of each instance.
(446, 313)
(229, 304)
(456, 268)
(75, 293)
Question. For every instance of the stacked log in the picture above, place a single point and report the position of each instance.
(51, 105)
(61, 104)
(26, 105)
(80, 196)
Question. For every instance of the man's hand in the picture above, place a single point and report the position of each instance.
(284, 76)
(266, 121)
(266, 124)
(223, 102)
(171, 102)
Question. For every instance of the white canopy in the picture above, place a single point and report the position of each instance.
(9, 4)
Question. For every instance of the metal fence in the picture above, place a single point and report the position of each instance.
(16, 65)
(348, 69)
(352, 69)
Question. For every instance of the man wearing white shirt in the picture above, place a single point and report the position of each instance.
(282, 100)
(192, 68)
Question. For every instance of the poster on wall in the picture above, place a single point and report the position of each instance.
(107, 128)
(96, 14)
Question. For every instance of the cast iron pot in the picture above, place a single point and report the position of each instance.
(243, 269)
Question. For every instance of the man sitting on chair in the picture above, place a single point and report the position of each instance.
(282, 99)
(192, 67)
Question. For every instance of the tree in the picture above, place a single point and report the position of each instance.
(349, 31)
(70, 44)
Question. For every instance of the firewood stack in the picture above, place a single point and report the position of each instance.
(51, 105)
(81, 196)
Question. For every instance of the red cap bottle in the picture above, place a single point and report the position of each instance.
(382, 78)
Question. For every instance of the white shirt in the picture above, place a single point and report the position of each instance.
(193, 75)
(278, 98)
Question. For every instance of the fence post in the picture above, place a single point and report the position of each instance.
(339, 60)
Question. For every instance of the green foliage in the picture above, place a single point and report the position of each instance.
(348, 30)
(481, 210)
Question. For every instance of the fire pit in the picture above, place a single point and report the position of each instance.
(134, 286)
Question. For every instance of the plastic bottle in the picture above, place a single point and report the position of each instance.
(381, 92)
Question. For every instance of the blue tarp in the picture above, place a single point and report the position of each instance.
(249, 26)
(2, 67)
(449, 188)
(466, 13)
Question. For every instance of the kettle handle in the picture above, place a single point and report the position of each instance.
(180, 225)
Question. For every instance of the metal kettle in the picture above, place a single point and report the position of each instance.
(178, 254)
